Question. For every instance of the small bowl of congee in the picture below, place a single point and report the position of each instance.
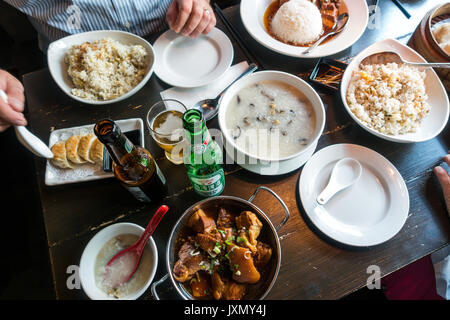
(105, 245)
(271, 116)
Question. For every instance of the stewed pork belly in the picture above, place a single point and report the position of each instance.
(222, 256)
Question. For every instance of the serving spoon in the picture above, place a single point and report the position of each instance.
(209, 107)
(338, 26)
(345, 173)
(29, 140)
(390, 56)
(130, 257)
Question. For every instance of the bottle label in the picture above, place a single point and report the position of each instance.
(128, 146)
(209, 185)
(138, 194)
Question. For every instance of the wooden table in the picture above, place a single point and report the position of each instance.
(313, 266)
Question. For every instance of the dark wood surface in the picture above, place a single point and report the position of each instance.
(313, 266)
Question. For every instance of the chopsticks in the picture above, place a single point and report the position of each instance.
(328, 73)
(241, 43)
(402, 8)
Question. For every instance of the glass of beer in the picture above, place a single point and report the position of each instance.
(164, 120)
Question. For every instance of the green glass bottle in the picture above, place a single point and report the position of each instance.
(202, 156)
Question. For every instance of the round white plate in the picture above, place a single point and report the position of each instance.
(434, 122)
(252, 15)
(58, 68)
(188, 63)
(368, 213)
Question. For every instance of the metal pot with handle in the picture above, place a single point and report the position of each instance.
(268, 235)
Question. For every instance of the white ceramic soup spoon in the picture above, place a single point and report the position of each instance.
(29, 140)
(345, 173)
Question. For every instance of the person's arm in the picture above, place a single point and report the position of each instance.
(191, 17)
(11, 112)
(444, 180)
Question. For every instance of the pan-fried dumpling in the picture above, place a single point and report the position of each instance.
(59, 155)
(72, 149)
(96, 152)
(85, 146)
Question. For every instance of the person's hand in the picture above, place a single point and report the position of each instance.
(11, 112)
(191, 17)
(444, 180)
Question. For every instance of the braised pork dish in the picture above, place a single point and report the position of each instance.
(221, 257)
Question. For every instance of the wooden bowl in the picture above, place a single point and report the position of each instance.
(424, 42)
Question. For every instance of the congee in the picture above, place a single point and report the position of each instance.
(105, 275)
(270, 120)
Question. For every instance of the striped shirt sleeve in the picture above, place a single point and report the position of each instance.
(54, 19)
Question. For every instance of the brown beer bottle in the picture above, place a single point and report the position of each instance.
(133, 165)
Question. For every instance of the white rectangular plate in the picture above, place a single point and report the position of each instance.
(84, 172)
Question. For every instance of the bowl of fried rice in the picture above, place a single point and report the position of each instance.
(394, 101)
(101, 67)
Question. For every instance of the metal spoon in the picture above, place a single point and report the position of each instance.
(338, 26)
(345, 173)
(209, 106)
(29, 140)
(133, 254)
(389, 56)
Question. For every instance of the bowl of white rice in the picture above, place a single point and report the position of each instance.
(297, 21)
(396, 102)
(101, 67)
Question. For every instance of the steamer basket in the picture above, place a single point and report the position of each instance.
(424, 42)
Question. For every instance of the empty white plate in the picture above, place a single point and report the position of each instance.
(368, 213)
(188, 63)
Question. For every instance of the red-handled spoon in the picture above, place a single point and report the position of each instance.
(124, 264)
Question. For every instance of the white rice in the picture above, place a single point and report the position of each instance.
(105, 69)
(390, 98)
(297, 21)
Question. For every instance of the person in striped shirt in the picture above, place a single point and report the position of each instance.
(54, 19)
